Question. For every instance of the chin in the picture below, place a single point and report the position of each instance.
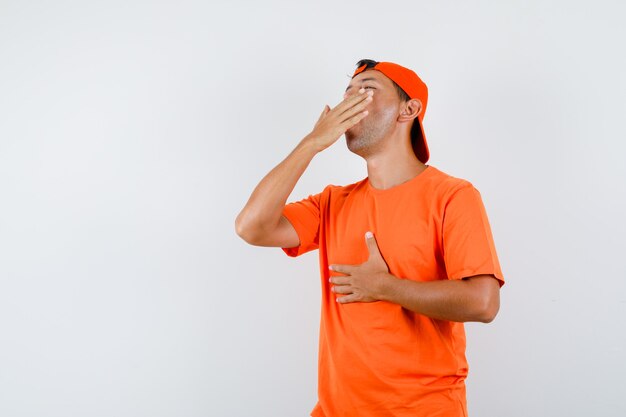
(357, 151)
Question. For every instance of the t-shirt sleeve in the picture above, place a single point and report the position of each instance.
(304, 216)
(468, 244)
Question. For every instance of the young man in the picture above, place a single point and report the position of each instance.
(406, 254)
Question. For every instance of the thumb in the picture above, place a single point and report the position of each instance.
(324, 112)
(372, 245)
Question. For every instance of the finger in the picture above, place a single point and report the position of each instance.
(347, 298)
(359, 107)
(347, 124)
(324, 113)
(340, 280)
(372, 245)
(344, 269)
(374, 251)
(351, 101)
(341, 289)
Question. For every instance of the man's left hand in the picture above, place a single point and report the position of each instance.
(364, 282)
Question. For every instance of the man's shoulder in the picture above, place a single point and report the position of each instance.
(447, 183)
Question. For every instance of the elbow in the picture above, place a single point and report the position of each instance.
(488, 308)
(241, 230)
(246, 231)
(484, 299)
(487, 316)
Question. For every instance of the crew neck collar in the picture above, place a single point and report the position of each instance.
(419, 177)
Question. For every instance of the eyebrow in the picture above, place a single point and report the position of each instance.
(363, 80)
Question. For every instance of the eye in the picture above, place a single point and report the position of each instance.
(370, 87)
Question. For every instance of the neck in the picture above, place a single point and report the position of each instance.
(393, 165)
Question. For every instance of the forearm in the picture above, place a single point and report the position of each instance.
(453, 300)
(266, 203)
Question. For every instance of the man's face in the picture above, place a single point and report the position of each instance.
(367, 136)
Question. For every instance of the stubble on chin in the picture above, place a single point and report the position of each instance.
(357, 143)
(355, 137)
(366, 140)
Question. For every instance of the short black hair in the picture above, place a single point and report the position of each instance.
(416, 131)
(370, 63)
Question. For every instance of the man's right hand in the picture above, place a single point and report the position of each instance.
(261, 222)
(334, 123)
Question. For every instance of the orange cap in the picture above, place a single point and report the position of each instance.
(414, 87)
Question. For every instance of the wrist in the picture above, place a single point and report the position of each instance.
(388, 287)
(312, 143)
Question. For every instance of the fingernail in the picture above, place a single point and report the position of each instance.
(368, 234)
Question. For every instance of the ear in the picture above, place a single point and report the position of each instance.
(411, 109)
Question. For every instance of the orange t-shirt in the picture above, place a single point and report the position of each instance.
(380, 359)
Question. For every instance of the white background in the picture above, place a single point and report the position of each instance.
(132, 133)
